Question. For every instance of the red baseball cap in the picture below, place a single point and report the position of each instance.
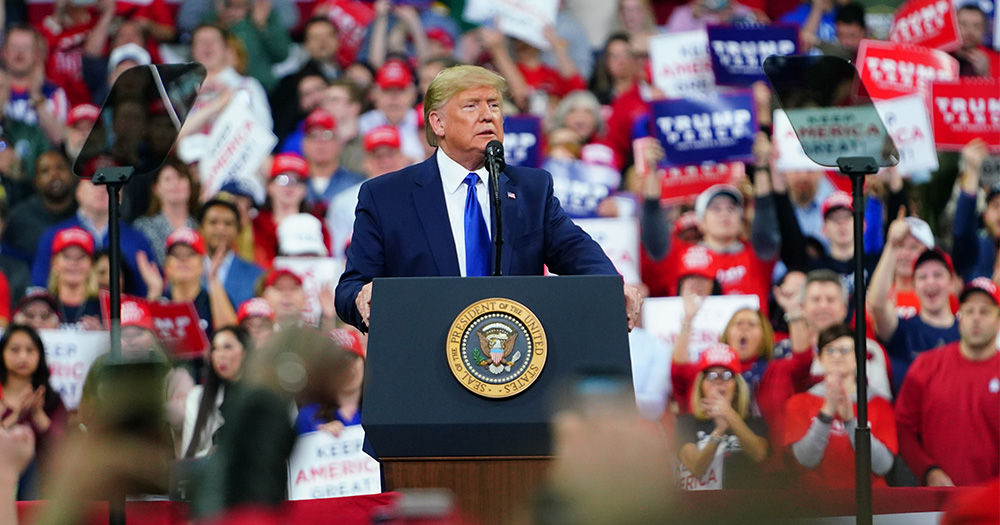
(135, 313)
(349, 340)
(279, 273)
(687, 220)
(187, 237)
(719, 354)
(837, 200)
(382, 136)
(696, 260)
(83, 112)
(285, 163)
(984, 285)
(935, 254)
(73, 237)
(320, 118)
(394, 74)
(443, 37)
(255, 307)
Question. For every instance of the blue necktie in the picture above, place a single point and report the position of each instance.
(477, 238)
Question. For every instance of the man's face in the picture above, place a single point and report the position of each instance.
(220, 227)
(978, 320)
(337, 101)
(321, 41)
(20, 54)
(384, 159)
(38, 315)
(824, 305)
(136, 340)
(467, 122)
(723, 219)
(209, 48)
(838, 227)
(932, 283)
(320, 146)
(286, 298)
(849, 35)
(53, 179)
(972, 27)
(93, 200)
(907, 254)
(802, 185)
(395, 102)
(311, 91)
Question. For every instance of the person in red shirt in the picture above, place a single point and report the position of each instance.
(65, 32)
(820, 423)
(948, 410)
(975, 59)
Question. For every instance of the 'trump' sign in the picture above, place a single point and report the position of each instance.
(713, 129)
(964, 111)
(928, 23)
(893, 70)
(739, 52)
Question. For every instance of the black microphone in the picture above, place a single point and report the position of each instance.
(494, 165)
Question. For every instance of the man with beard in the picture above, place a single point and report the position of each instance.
(52, 203)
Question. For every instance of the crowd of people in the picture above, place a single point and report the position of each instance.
(341, 85)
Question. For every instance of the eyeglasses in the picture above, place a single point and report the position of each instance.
(325, 134)
(716, 377)
(842, 350)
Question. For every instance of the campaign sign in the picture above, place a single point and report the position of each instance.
(69, 354)
(827, 134)
(352, 20)
(178, 327)
(891, 70)
(619, 237)
(324, 466)
(791, 157)
(684, 183)
(928, 23)
(681, 64)
(710, 129)
(522, 19)
(909, 126)
(739, 51)
(522, 144)
(966, 110)
(662, 317)
(237, 145)
(316, 273)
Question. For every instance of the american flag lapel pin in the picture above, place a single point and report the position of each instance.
(510, 195)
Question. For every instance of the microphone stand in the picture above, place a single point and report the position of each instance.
(494, 166)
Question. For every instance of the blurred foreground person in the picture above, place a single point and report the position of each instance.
(248, 473)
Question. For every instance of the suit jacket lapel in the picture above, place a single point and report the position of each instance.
(428, 199)
(511, 217)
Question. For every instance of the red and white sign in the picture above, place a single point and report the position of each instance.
(928, 23)
(684, 183)
(907, 122)
(662, 317)
(70, 353)
(964, 111)
(682, 64)
(891, 70)
(178, 326)
(324, 466)
(619, 237)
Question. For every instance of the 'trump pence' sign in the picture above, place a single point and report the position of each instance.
(711, 129)
(521, 141)
(964, 111)
(323, 466)
(893, 70)
(738, 52)
(929, 23)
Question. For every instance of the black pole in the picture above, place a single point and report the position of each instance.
(857, 168)
(494, 165)
(114, 179)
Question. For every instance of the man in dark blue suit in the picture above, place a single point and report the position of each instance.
(429, 219)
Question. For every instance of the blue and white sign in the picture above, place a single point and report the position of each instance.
(522, 141)
(713, 129)
(739, 51)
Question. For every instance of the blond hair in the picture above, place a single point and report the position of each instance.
(741, 401)
(766, 347)
(452, 81)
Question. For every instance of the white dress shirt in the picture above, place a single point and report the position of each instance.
(455, 191)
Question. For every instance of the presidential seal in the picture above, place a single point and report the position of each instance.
(496, 348)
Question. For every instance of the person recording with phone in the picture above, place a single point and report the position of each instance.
(435, 218)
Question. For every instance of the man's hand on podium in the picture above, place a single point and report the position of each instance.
(364, 302)
(633, 305)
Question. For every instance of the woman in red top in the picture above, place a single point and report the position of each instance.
(820, 423)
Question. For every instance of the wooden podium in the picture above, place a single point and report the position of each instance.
(429, 430)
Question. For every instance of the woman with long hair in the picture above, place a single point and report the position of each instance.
(27, 397)
(346, 411)
(70, 279)
(230, 345)
(616, 70)
(720, 443)
(173, 205)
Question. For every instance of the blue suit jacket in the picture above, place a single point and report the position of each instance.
(401, 229)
